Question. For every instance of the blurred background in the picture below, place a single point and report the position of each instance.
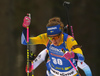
(84, 17)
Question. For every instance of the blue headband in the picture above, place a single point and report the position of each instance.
(52, 30)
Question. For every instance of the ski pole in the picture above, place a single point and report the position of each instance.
(32, 56)
(73, 66)
(28, 46)
(32, 69)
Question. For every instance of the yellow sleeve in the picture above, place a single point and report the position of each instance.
(40, 39)
(71, 42)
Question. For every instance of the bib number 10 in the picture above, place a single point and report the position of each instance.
(57, 61)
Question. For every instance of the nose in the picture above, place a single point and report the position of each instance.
(53, 39)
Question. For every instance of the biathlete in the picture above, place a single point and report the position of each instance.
(62, 48)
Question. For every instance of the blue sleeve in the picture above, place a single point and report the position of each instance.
(79, 57)
(48, 66)
(87, 71)
(23, 37)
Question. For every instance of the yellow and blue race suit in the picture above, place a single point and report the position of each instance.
(59, 65)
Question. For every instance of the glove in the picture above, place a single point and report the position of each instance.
(30, 67)
(32, 56)
(69, 55)
(26, 21)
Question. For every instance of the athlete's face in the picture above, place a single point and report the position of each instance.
(55, 39)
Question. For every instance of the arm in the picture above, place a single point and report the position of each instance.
(37, 61)
(85, 68)
(71, 42)
(40, 39)
(40, 58)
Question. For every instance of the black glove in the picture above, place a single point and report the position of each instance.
(31, 56)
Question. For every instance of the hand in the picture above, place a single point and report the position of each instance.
(30, 67)
(26, 21)
(32, 56)
(69, 55)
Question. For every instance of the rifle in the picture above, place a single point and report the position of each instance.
(68, 28)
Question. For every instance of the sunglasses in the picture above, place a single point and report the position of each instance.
(54, 37)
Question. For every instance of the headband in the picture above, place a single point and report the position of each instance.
(52, 30)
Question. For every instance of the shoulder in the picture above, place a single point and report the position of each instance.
(67, 37)
(70, 38)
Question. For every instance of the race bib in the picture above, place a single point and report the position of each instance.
(72, 72)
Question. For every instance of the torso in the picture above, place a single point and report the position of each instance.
(57, 61)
